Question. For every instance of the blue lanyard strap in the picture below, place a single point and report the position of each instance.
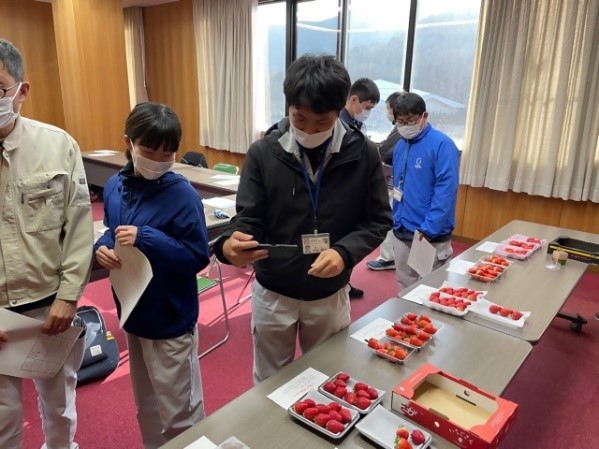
(314, 194)
(405, 166)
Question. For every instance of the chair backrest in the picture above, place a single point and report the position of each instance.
(194, 158)
(227, 168)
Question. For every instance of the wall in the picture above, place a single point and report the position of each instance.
(28, 25)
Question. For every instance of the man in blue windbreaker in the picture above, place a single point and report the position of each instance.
(425, 185)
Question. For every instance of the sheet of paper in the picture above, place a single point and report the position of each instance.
(29, 353)
(459, 266)
(201, 443)
(422, 255)
(416, 295)
(287, 394)
(131, 280)
(487, 247)
(228, 182)
(225, 177)
(219, 202)
(374, 329)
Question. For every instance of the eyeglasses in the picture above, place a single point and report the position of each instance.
(4, 90)
(408, 121)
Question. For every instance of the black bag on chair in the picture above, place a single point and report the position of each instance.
(101, 356)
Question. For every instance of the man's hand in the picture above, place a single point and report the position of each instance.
(59, 317)
(328, 264)
(108, 258)
(126, 235)
(237, 249)
(3, 338)
(421, 236)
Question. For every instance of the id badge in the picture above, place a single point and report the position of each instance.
(315, 243)
(397, 194)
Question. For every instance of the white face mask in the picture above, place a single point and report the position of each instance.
(310, 140)
(410, 131)
(362, 116)
(7, 113)
(148, 168)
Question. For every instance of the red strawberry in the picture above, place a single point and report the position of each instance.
(505, 312)
(402, 432)
(329, 387)
(310, 402)
(340, 392)
(323, 408)
(335, 426)
(334, 406)
(363, 394)
(360, 386)
(415, 341)
(345, 415)
(310, 413)
(430, 329)
(373, 343)
(423, 336)
(363, 403)
(494, 308)
(373, 393)
(343, 376)
(402, 443)
(350, 398)
(411, 316)
(340, 383)
(516, 315)
(336, 416)
(418, 437)
(299, 407)
(322, 419)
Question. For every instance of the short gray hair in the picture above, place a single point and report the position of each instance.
(11, 60)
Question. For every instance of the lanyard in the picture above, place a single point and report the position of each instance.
(314, 195)
(405, 167)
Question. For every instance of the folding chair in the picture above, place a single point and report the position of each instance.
(207, 281)
(194, 158)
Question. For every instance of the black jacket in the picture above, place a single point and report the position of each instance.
(274, 206)
(387, 146)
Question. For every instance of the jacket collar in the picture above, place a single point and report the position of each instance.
(13, 140)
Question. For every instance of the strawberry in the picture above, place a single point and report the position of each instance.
(322, 419)
(310, 402)
(373, 393)
(363, 394)
(343, 376)
(340, 383)
(505, 312)
(516, 315)
(423, 336)
(430, 329)
(363, 403)
(310, 413)
(402, 432)
(345, 415)
(335, 426)
(494, 308)
(299, 407)
(373, 343)
(417, 436)
(411, 316)
(340, 392)
(360, 386)
(334, 406)
(415, 341)
(400, 353)
(336, 416)
(402, 443)
(323, 408)
(350, 398)
(391, 332)
(425, 318)
(329, 387)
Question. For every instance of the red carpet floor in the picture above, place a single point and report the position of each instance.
(557, 388)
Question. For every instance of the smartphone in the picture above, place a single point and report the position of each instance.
(279, 251)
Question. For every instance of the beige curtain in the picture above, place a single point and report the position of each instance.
(533, 118)
(134, 52)
(224, 53)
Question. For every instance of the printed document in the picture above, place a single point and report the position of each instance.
(422, 255)
(131, 280)
(30, 354)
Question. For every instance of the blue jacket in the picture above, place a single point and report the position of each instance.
(168, 213)
(429, 166)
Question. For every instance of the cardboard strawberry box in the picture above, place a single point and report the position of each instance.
(453, 408)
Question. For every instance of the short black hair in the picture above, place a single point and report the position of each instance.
(154, 125)
(408, 103)
(319, 83)
(366, 90)
(391, 98)
(11, 60)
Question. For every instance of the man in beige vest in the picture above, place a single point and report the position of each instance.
(46, 239)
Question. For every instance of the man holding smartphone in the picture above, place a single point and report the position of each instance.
(314, 182)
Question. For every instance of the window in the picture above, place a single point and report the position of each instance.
(270, 71)
(376, 46)
(444, 48)
(317, 27)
